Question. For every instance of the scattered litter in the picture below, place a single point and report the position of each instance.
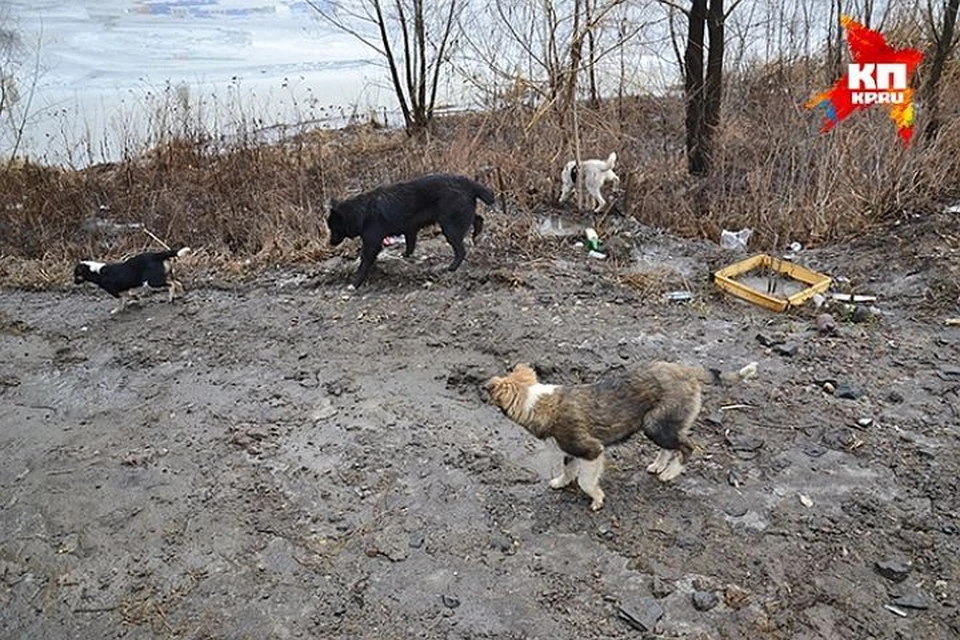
(900, 612)
(736, 240)
(806, 500)
(863, 423)
(596, 254)
(793, 250)
(849, 297)
(829, 387)
(390, 241)
(593, 240)
(555, 227)
(450, 602)
(818, 300)
(954, 208)
(952, 322)
(678, 296)
(729, 407)
(775, 274)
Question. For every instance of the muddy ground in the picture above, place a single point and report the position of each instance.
(284, 458)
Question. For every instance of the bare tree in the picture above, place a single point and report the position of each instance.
(944, 42)
(546, 45)
(702, 77)
(15, 103)
(414, 39)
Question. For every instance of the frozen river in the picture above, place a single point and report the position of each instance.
(95, 75)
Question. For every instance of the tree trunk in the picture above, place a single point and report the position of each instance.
(943, 45)
(713, 91)
(694, 88)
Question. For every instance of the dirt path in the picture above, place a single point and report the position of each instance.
(286, 459)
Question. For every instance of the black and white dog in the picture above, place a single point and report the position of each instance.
(147, 269)
(593, 174)
(403, 209)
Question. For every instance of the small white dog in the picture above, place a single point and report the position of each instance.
(595, 173)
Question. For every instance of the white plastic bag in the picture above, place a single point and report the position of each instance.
(736, 240)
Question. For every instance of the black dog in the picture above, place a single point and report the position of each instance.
(405, 208)
(147, 269)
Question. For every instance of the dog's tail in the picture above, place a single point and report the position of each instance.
(715, 376)
(611, 160)
(477, 225)
(485, 194)
(176, 253)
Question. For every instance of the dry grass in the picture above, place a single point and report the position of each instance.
(258, 204)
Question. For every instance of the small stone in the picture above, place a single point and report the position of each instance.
(829, 387)
(806, 500)
(70, 543)
(705, 583)
(661, 588)
(895, 397)
(644, 616)
(912, 601)
(787, 350)
(813, 450)
(502, 542)
(736, 509)
(705, 600)
(323, 411)
(895, 570)
(769, 341)
(848, 392)
(826, 325)
(416, 539)
(450, 602)
(392, 544)
(861, 314)
(863, 423)
(691, 543)
(739, 442)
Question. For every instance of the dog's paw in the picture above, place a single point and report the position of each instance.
(659, 463)
(560, 482)
(674, 469)
(597, 503)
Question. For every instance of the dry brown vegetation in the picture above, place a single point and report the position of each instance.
(260, 204)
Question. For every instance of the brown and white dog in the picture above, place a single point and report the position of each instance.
(661, 399)
(592, 174)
